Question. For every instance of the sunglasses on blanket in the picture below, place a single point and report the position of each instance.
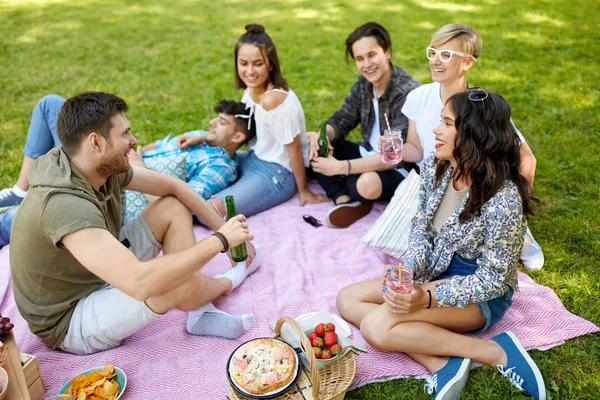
(309, 219)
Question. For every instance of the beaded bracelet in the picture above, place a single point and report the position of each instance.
(223, 240)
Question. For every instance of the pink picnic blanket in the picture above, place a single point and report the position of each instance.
(303, 269)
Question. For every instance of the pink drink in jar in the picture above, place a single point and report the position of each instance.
(399, 278)
(391, 153)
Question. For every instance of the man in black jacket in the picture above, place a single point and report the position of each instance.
(354, 176)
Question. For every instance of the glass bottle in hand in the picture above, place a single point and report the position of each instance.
(322, 142)
(238, 253)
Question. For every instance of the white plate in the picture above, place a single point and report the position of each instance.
(341, 326)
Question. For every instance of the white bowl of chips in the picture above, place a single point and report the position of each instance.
(105, 382)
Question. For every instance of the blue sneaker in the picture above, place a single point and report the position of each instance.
(449, 381)
(520, 368)
(9, 199)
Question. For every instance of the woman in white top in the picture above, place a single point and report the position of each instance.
(452, 52)
(275, 162)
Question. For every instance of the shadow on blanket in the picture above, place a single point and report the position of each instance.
(303, 269)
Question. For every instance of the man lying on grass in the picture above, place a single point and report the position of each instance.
(90, 283)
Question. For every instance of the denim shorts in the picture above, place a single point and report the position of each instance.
(103, 319)
(493, 310)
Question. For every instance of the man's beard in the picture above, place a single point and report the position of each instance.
(112, 165)
(212, 142)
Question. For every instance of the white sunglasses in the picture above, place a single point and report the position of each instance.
(444, 55)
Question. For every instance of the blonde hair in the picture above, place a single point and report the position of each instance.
(469, 39)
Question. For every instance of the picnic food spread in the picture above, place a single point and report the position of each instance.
(263, 365)
(97, 385)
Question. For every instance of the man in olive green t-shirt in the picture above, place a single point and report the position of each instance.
(84, 283)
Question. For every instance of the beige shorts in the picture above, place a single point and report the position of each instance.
(103, 319)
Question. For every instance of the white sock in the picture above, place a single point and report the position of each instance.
(208, 320)
(238, 273)
(19, 192)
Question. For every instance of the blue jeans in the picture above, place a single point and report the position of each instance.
(6, 220)
(493, 310)
(262, 185)
(41, 137)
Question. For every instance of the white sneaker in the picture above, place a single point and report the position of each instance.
(532, 255)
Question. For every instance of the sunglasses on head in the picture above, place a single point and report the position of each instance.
(478, 94)
(309, 219)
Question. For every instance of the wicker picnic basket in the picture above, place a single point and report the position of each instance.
(328, 383)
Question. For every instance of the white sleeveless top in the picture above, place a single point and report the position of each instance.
(278, 127)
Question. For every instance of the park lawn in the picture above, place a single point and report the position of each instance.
(171, 60)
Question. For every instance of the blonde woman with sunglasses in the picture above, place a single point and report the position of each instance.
(452, 52)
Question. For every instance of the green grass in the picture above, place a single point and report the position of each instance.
(171, 60)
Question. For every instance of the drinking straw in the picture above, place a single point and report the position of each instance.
(387, 122)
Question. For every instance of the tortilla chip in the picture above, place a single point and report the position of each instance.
(97, 385)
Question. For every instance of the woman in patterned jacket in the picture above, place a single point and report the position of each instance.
(464, 248)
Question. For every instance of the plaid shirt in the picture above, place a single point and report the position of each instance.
(210, 169)
(358, 107)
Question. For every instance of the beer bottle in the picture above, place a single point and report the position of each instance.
(238, 253)
(323, 144)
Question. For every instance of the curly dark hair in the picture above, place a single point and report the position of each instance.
(487, 152)
(234, 108)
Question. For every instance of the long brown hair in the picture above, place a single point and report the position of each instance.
(487, 152)
(256, 36)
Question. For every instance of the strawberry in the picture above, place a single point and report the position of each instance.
(320, 329)
(330, 327)
(317, 342)
(317, 351)
(330, 339)
(325, 354)
(312, 335)
(336, 349)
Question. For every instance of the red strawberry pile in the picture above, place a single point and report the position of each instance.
(324, 341)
